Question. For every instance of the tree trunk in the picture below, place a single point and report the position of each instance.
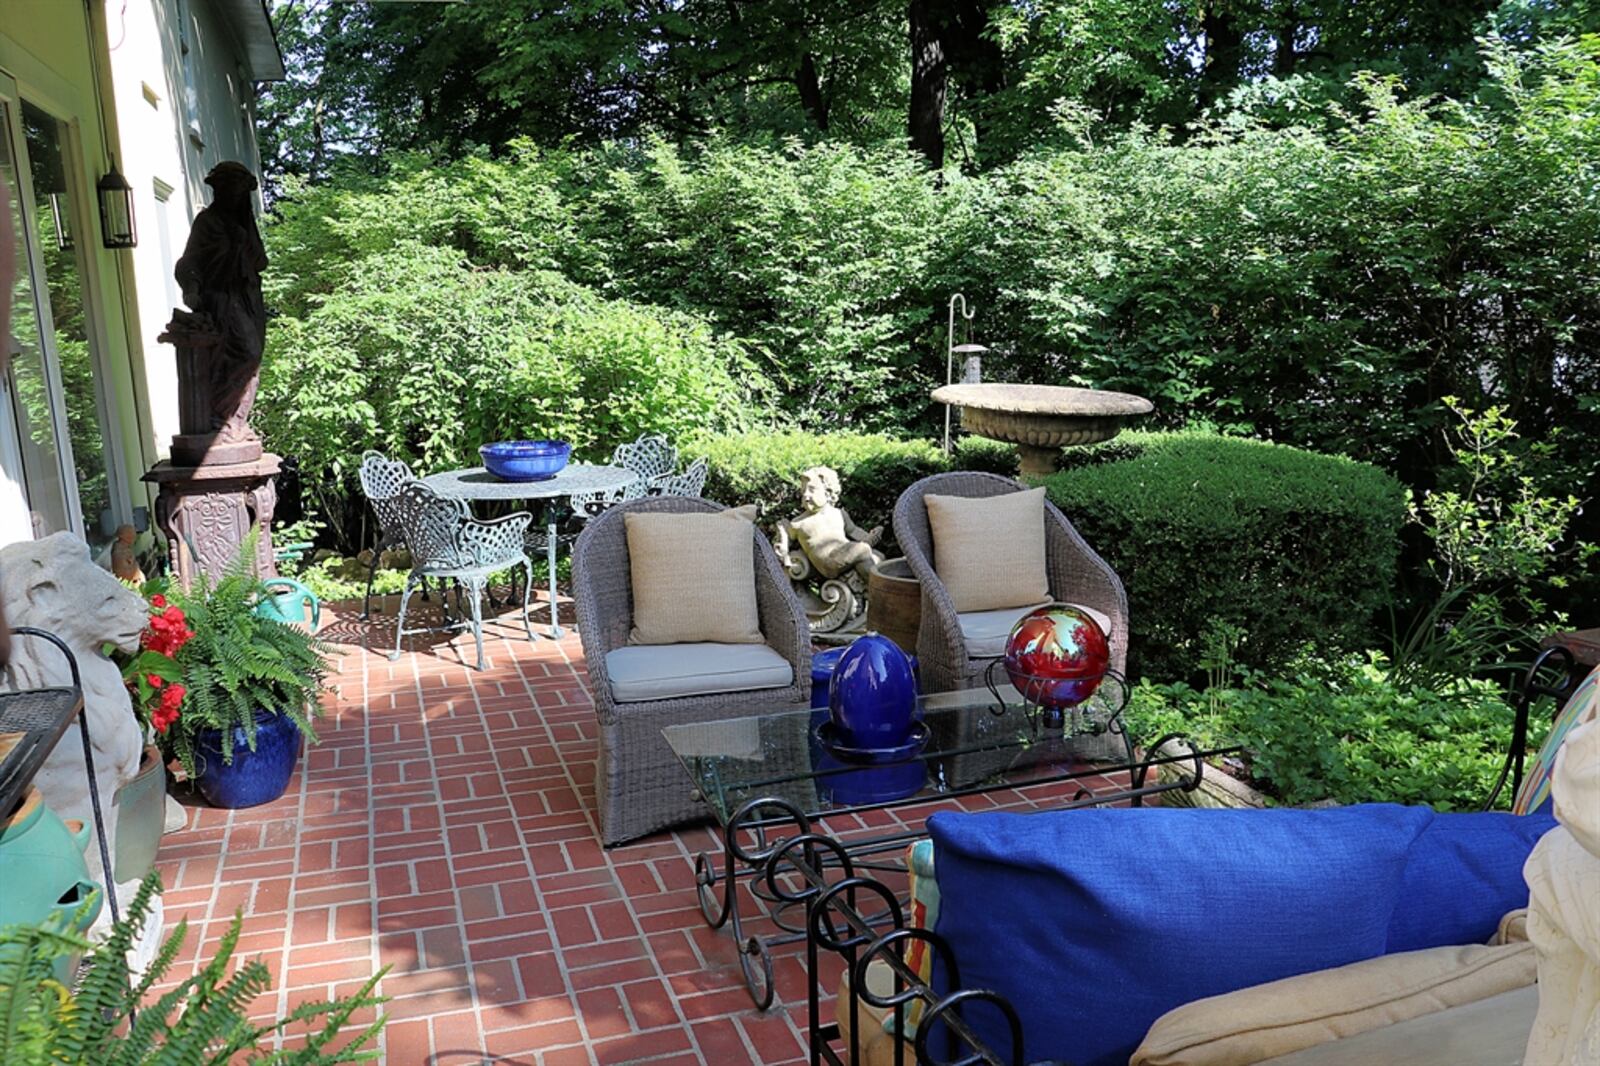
(928, 83)
(810, 86)
(1224, 54)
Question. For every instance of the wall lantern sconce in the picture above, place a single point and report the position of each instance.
(117, 228)
(61, 218)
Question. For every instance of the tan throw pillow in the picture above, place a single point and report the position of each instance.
(694, 578)
(1280, 1017)
(989, 551)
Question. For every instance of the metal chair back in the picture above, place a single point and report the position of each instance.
(691, 482)
(382, 478)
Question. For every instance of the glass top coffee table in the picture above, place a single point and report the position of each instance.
(773, 784)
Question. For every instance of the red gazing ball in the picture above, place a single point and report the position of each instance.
(1057, 656)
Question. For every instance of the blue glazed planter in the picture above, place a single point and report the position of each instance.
(254, 777)
(823, 664)
(873, 698)
(525, 460)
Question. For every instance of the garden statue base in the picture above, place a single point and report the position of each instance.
(206, 511)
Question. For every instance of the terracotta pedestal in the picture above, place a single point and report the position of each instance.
(205, 512)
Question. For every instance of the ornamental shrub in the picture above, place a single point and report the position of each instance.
(1348, 732)
(421, 356)
(1286, 547)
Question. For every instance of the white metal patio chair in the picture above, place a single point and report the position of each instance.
(447, 543)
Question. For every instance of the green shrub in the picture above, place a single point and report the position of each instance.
(1288, 546)
(1348, 733)
(425, 358)
(764, 468)
(824, 257)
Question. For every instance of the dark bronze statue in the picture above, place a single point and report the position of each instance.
(220, 275)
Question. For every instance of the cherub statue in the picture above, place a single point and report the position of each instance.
(831, 541)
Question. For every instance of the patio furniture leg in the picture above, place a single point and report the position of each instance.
(475, 589)
(372, 572)
(551, 529)
(527, 595)
(400, 620)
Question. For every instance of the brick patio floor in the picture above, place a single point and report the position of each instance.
(444, 827)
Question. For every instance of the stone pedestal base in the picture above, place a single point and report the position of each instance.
(206, 512)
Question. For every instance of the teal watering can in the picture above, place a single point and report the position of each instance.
(290, 605)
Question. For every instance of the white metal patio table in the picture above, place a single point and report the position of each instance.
(575, 479)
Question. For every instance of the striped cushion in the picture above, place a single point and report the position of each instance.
(1535, 790)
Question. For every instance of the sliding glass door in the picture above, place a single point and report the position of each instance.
(55, 465)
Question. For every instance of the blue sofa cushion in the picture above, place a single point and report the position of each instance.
(1463, 874)
(1094, 923)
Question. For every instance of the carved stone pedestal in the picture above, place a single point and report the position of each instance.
(205, 512)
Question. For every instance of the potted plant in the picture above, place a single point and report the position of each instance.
(154, 681)
(207, 1018)
(249, 689)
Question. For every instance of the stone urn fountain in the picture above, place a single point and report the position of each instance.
(1041, 419)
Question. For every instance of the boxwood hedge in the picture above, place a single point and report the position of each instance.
(1288, 546)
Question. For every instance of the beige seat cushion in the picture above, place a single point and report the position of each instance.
(1488, 1032)
(989, 551)
(1245, 1027)
(693, 577)
(985, 632)
(673, 671)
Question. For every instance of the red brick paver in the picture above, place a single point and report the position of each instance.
(444, 828)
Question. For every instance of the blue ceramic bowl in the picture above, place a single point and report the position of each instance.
(873, 699)
(526, 460)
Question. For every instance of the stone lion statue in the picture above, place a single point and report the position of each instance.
(53, 585)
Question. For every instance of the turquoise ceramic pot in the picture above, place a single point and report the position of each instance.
(42, 869)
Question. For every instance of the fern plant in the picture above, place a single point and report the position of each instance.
(238, 662)
(110, 1019)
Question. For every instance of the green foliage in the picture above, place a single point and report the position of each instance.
(1286, 546)
(203, 1021)
(1347, 731)
(764, 468)
(1317, 286)
(1492, 524)
(821, 257)
(423, 356)
(238, 663)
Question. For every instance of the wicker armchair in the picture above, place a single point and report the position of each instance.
(1077, 575)
(640, 785)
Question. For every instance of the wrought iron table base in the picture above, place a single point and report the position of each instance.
(774, 825)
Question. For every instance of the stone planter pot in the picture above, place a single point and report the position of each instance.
(894, 603)
(254, 777)
(1218, 788)
(141, 818)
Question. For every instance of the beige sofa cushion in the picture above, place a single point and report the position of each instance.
(1245, 1027)
(1488, 1032)
(693, 577)
(989, 551)
(672, 671)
